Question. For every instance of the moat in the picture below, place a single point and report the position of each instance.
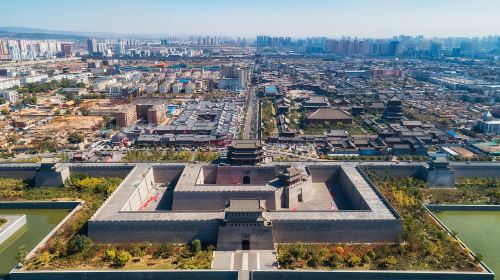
(39, 223)
(479, 230)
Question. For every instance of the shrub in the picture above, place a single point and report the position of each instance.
(79, 243)
(165, 251)
(388, 262)
(110, 255)
(21, 255)
(43, 258)
(137, 251)
(314, 260)
(195, 247)
(122, 258)
(478, 258)
(353, 260)
(332, 261)
(297, 250)
(339, 250)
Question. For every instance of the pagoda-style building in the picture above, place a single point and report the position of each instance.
(290, 176)
(245, 152)
(393, 112)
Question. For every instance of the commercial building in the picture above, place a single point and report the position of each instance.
(91, 46)
(156, 114)
(66, 50)
(202, 123)
(9, 95)
(488, 124)
(233, 78)
(126, 116)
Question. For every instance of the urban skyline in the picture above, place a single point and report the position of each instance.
(250, 140)
(364, 19)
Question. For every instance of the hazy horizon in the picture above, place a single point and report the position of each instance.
(334, 18)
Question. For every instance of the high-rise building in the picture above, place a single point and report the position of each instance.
(15, 53)
(393, 48)
(101, 48)
(120, 48)
(435, 50)
(91, 46)
(66, 49)
(126, 116)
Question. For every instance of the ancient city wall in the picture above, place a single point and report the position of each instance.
(323, 174)
(119, 171)
(323, 231)
(467, 171)
(140, 194)
(167, 174)
(394, 170)
(230, 237)
(216, 201)
(25, 173)
(233, 175)
(351, 191)
(153, 231)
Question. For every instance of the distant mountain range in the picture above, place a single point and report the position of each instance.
(38, 33)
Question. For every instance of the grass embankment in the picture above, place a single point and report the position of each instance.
(423, 245)
(69, 248)
(468, 191)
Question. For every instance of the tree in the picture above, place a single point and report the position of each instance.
(49, 145)
(195, 247)
(79, 243)
(297, 250)
(22, 253)
(2, 100)
(122, 258)
(5, 111)
(75, 137)
(165, 251)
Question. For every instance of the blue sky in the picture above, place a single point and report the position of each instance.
(296, 18)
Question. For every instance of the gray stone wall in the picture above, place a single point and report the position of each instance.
(26, 173)
(357, 231)
(441, 178)
(394, 170)
(324, 174)
(227, 175)
(231, 237)
(153, 231)
(167, 174)
(52, 178)
(140, 194)
(101, 171)
(216, 201)
(469, 170)
(350, 190)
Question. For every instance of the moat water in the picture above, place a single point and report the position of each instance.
(39, 223)
(480, 230)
